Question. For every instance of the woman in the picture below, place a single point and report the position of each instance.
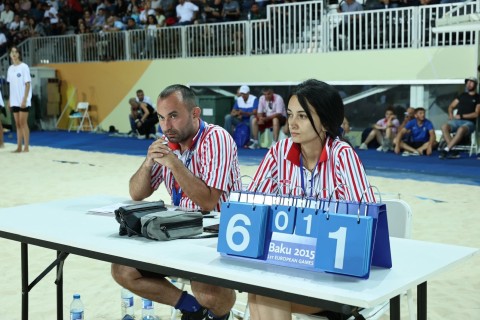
(314, 162)
(18, 76)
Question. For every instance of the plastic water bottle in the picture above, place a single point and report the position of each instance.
(148, 313)
(76, 308)
(127, 304)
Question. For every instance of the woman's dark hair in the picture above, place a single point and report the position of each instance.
(18, 50)
(327, 103)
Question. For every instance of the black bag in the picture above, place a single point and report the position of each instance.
(129, 217)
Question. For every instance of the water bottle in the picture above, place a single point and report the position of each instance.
(147, 310)
(127, 304)
(76, 308)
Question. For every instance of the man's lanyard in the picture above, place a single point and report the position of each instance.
(302, 178)
(176, 189)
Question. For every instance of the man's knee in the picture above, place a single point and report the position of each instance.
(211, 296)
(123, 275)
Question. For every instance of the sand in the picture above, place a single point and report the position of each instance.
(445, 213)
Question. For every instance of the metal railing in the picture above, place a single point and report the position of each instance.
(303, 27)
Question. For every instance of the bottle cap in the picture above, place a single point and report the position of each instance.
(76, 296)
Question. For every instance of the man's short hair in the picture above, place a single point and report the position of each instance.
(419, 109)
(188, 96)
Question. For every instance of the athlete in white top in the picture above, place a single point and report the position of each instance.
(18, 76)
(313, 162)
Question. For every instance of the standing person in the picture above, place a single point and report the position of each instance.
(199, 166)
(270, 114)
(314, 158)
(463, 122)
(18, 76)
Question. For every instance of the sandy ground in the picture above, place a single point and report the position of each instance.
(446, 213)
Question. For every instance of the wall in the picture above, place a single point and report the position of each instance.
(109, 85)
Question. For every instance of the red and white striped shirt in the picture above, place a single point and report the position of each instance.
(214, 161)
(339, 173)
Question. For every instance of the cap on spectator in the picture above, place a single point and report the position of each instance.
(244, 89)
(471, 79)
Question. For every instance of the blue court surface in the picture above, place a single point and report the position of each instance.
(465, 170)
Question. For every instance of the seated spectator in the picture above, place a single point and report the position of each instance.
(383, 131)
(256, 13)
(271, 114)
(186, 13)
(244, 108)
(6, 17)
(462, 123)
(422, 136)
(143, 119)
(231, 10)
(213, 10)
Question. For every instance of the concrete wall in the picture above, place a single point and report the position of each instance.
(109, 85)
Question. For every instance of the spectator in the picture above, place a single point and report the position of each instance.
(143, 119)
(245, 107)
(383, 131)
(422, 136)
(231, 11)
(168, 7)
(271, 114)
(256, 13)
(3, 42)
(199, 167)
(37, 12)
(99, 20)
(147, 11)
(186, 12)
(6, 17)
(141, 97)
(213, 10)
(350, 27)
(462, 123)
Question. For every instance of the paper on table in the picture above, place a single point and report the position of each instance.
(109, 210)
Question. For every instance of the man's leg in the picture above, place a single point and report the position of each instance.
(461, 132)
(219, 301)
(254, 129)
(228, 124)
(156, 289)
(446, 129)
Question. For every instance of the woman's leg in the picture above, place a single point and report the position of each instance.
(25, 129)
(16, 117)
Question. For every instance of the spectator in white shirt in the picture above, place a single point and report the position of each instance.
(186, 12)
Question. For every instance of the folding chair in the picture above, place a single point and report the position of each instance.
(81, 114)
(472, 148)
(399, 216)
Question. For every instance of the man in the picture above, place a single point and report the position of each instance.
(245, 106)
(199, 166)
(383, 131)
(271, 114)
(422, 137)
(143, 119)
(463, 122)
(186, 12)
(141, 97)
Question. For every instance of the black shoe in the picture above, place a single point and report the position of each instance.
(453, 155)
(443, 154)
(442, 145)
(199, 315)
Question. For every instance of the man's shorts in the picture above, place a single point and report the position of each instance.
(18, 109)
(150, 274)
(269, 123)
(416, 144)
(457, 123)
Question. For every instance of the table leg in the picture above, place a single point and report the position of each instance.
(25, 289)
(422, 301)
(59, 283)
(395, 308)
